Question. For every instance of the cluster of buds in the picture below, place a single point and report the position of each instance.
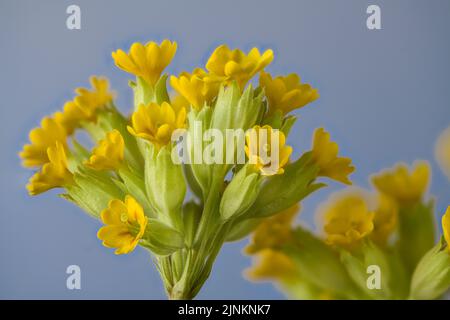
(190, 168)
(390, 232)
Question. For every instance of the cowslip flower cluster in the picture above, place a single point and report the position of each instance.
(391, 227)
(136, 180)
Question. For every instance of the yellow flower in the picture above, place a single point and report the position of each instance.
(109, 153)
(272, 264)
(194, 88)
(259, 144)
(125, 225)
(385, 219)
(274, 231)
(50, 131)
(178, 102)
(70, 117)
(347, 220)
(53, 174)
(146, 61)
(91, 100)
(227, 65)
(286, 93)
(325, 155)
(404, 186)
(156, 123)
(442, 151)
(446, 226)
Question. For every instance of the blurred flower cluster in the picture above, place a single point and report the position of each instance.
(379, 244)
(182, 209)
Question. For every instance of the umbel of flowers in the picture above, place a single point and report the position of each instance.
(131, 181)
(389, 232)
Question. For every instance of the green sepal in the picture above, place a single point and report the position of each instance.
(282, 191)
(321, 265)
(199, 122)
(431, 278)
(161, 94)
(240, 193)
(287, 125)
(77, 155)
(192, 214)
(162, 239)
(242, 228)
(92, 192)
(144, 93)
(416, 232)
(275, 120)
(393, 283)
(164, 183)
(135, 186)
(192, 182)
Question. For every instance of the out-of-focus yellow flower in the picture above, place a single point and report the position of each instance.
(147, 61)
(446, 226)
(109, 153)
(194, 88)
(442, 151)
(125, 225)
(91, 100)
(156, 123)
(325, 154)
(402, 185)
(347, 219)
(178, 102)
(272, 265)
(53, 174)
(268, 155)
(70, 117)
(227, 65)
(50, 131)
(385, 219)
(274, 231)
(286, 93)
(85, 105)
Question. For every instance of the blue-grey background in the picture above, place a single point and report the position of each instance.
(385, 97)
